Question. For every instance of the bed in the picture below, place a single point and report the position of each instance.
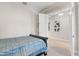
(31, 45)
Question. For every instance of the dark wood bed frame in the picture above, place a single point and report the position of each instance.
(44, 39)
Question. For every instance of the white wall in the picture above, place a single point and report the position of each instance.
(65, 20)
(16, 19)
(78, 29)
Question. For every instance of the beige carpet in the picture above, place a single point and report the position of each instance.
(58, 48)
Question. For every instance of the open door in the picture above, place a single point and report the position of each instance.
(43, 25)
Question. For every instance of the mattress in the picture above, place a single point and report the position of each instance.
(22, 46)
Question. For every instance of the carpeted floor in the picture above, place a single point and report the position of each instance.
(58, 48)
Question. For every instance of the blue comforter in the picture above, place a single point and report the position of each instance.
(21, 46)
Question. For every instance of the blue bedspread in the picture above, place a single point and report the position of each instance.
(21, 46)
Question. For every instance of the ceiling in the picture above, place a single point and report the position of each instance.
(38, 6)
(57, 6)
(48, 7)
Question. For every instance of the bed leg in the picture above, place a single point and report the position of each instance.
(45, 53)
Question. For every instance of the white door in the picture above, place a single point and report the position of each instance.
(43, 25)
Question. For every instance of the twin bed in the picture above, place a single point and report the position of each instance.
(31, 45)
